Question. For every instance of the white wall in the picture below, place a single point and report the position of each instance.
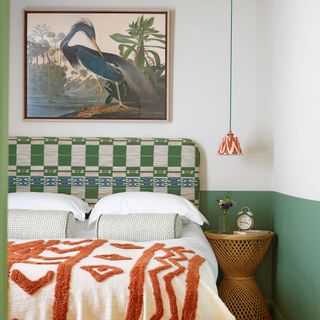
(199, 73)
(296, 92)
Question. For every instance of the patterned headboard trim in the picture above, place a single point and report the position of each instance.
(94, 167)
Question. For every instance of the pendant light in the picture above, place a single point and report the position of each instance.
(230, 145)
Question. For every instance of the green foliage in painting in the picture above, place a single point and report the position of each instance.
(139, 46)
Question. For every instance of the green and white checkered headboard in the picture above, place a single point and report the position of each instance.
(91, 168)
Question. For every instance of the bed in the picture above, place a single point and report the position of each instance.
(88, 278)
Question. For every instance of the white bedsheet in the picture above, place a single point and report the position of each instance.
(192, 234)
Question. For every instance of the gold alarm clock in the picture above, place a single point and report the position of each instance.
(245, 219)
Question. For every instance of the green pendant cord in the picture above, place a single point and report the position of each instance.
(231, 47)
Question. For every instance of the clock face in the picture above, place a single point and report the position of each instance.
(245, 222)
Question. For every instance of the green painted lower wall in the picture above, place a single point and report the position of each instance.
(290, 273)
(260, 202)
(296, 289)
(4, 35)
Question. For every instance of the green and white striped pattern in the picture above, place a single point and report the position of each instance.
(91, 168)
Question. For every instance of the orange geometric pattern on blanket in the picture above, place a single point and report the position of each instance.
(61, 293)
(156, 285)
(58, 250)
(126, 246)
(31, 286)
(137, 280)
(102, 272)
(73, 243)
(192, 281)
(112, 257)
(170, 276)
(50, 258)
(174, 261)
(20, 252)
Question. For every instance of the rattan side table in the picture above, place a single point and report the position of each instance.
(239, 257)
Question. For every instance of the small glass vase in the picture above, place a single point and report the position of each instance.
(223, 222)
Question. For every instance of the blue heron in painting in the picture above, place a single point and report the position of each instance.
(108, 66)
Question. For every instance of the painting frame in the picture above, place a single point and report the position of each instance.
(147, 102)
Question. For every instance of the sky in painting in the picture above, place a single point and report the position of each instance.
(105, 24)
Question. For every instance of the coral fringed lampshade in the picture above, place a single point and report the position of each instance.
(230, 146)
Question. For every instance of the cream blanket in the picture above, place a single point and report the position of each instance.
(101, 280)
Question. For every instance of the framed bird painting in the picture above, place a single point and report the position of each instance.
(97, 65)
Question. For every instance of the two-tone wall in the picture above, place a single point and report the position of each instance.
(276, 112)
(296, 113)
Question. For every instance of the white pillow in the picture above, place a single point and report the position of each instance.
(146, 202)
(48, 201)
